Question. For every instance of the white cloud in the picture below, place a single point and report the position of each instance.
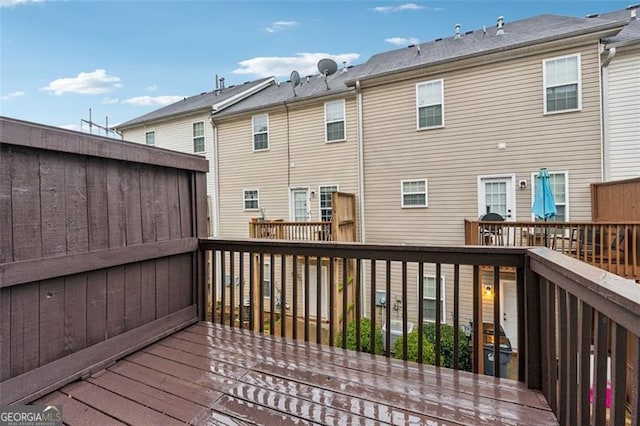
(85, 83)
(304, 63)
(403, 7)
(13, 95)
(280, 26)
(12, 3)
(151, 88)
(109, 101)
(402, 41)
(152, 100)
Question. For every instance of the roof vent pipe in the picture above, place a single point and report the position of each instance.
(417, 48)
(457, 27)
(221, 83)
(634, 14)
(500, 25)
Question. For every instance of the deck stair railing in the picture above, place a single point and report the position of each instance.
(292, 231)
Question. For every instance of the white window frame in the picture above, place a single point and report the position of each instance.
(320, 208)
(402, 194)
(443, 294)
(327, 122)
(194, 137)
(266, 278)
(245, 199)
(566, 192)
(578, 82)
(254, 133)
(146, 138)
(418, 106)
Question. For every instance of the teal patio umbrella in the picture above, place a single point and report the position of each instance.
(544, 205)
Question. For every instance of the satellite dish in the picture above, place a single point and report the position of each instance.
(295, 78)
(327, 66)
(295, 81)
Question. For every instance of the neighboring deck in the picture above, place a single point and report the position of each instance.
(210, 374)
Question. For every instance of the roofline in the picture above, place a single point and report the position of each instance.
(220, 105)
(603, 27)
(288, 101)
(244, 94)
(624, 43)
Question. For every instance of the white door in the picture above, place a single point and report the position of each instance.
(300, 208)
(313, 292)
(508, 306)
(496, 195)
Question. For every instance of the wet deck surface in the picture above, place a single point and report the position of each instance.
(208, 374)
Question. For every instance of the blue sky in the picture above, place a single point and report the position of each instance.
(123, 59)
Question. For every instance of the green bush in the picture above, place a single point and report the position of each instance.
(446, 346)
(428, 354)
(365, 337)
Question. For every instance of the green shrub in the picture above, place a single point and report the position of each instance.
(365, 337)
(446, 346)
(428, 354)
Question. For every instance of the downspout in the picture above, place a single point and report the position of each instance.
(605, 149)
(216, 181)
(361, 191)
(288, 148)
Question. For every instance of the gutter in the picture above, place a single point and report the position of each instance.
(605, 150)
(216, 183)
(360, 161)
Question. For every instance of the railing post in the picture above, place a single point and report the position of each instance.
(533, 340)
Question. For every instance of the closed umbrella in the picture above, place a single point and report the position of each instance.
(544, 205)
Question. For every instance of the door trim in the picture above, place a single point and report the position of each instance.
(512, 178)
(291, 206)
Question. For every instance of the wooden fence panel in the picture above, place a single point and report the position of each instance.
(98, 252)
(616, 201)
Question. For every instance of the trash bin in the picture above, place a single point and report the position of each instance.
(396, 330)
(489, 358)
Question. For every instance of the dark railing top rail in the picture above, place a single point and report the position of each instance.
(470, 255)
(614, 296)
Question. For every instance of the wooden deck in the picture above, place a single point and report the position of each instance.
(210, 374)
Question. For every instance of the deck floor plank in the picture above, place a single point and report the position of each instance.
(75, 412)
(211, 374)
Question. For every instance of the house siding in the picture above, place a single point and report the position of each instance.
(484, 105)
(298, 157)
(623, 130)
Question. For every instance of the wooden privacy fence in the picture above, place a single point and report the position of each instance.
(98, 242)
(616, 201)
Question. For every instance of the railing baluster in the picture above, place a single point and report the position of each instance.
(332, 301)
(345, 294)
(294, 316)
(635, 385)
(600, 368)
(283, 296)
(439, 312)
(496, 322)
(358, 302)
(306, 298)
(420, 311)
(563, 331)
(214, 285)
(387, 335)
(572, 368)
(223, 285)
(272, 293)
(477, 321)
(232, 286)
(456, 316)
(404, 316)
(242, 316)
(372, 334)
(260, 300)
(551, 342)
(319, 299)
(618, 374)
(252, 301)
(584, 375)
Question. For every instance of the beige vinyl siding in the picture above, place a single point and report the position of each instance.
(307, 162)
(623, 98)
(484, 105)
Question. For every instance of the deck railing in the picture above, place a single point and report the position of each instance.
(572, 319)
(612, 246)
(292, 231)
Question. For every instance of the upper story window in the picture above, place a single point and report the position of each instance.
(251, 199)
(430, 104)
(414, 193)
(198, 137)
(260, 132)
(334, 113)
(326, 208)
(150, 138)
(562, 84)
(559, 182)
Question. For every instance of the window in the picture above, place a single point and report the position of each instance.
(260, 132)
(430, 104)
(414, 193)
(429, 299)
(334, 119)
(325, 202)
(562, 84)
(150, 138)
(560, 187)
(251, 199)
(266, 278)
(198, 137)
